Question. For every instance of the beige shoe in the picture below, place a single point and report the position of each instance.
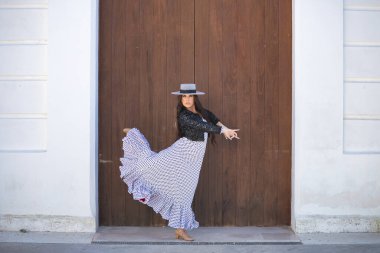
(181, 234)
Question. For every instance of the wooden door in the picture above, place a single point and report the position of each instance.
(239, 53)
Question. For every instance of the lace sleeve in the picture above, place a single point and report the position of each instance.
(197, 123)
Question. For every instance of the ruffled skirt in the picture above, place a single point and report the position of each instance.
(165, 181)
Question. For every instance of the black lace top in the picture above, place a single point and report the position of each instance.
(192, 126)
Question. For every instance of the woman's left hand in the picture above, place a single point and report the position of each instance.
(231, 133)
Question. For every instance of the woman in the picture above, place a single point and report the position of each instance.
(166, 181)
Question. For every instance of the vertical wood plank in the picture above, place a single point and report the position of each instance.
(201, 198)
(146, 79)
(118, 108)
(244, 8)
(146, 75)
(257, 131)
(187, 41)
(187, 45)
(158, 87)
(105, 105)
(136, 213)
(271, 111)
(229, 110)
(173, 69)
(285, 111)
(215, 63)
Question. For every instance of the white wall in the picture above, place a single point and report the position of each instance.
(48, 80)
(336, 80)
(48, 124)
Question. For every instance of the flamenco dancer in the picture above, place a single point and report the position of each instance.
(167, 180)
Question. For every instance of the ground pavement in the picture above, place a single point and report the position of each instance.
(233, 239)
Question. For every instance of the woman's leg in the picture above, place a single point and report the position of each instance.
(125, 130)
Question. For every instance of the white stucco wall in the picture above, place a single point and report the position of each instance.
(336, 162)
(48, 183)
(48, 124)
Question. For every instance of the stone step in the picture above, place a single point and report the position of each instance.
(202, 235)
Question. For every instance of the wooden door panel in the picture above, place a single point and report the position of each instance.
(239, 52)
(146, 48)
(238, 49)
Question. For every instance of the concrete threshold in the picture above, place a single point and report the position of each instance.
(46, 237)
(201, 236)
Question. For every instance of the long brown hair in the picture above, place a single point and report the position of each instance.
(199, 108)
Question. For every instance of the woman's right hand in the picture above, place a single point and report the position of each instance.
(231, 133)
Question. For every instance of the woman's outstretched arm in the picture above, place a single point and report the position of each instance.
(197, 123)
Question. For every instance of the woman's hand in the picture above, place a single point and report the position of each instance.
(231, 133)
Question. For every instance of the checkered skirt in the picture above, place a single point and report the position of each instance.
(165, 181)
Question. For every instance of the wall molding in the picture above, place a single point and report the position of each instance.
(362, 44)
(23, 150)
(336, 224)
(24, 6)
(361, 117)
(362, 8)
(362, 79)
(53, 223)
(23, 116)
(348, 151)
(22, 42)
(23, 78)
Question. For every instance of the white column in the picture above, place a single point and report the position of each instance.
(333, 190)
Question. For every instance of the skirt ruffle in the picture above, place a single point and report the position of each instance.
(178, 215)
